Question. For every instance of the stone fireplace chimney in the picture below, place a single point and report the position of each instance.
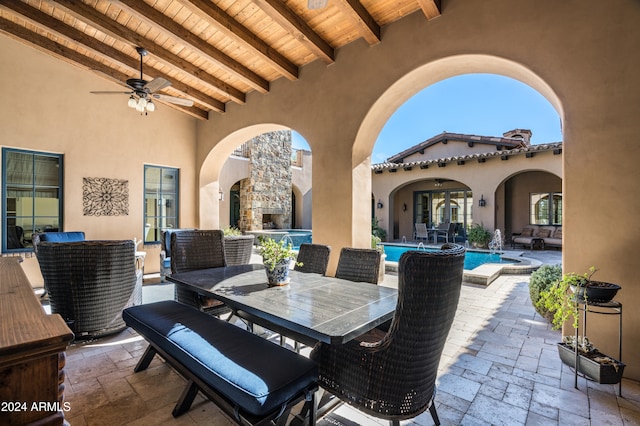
(265, 197)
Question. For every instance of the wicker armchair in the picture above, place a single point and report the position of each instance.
(90, 283)
(165, 251)
(361, 265)
(192, 250)
(238, 249)
(314, 258)
(392, 376)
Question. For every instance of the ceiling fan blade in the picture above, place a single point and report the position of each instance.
(157, 84)
(173, 100)
(109, 92)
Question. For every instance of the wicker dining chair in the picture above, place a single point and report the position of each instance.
(363, 265)
(193, 250)
(392, 376)
(90, 283)
(313, 258)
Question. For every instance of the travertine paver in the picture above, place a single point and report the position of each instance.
(500, 367)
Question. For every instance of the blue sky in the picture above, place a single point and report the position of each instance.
(479, 104)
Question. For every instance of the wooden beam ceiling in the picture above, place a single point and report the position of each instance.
(212, 51)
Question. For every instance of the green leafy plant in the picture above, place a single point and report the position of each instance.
(541, 280)
(375, 243)
(274, 252)
(377, 231)
(560, 299)
(478, 235)
(231, 231)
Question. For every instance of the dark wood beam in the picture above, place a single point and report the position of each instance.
(110, 54)
(367, 26)
(20, 33)
(211, 13)
(430, 8)
(298, 28)
(99, 21)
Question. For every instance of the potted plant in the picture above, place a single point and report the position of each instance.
(237, 247)
(277, 257)
(564, 298)
(478, 236)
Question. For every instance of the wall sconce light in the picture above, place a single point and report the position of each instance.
(481, 201)
(404, 207)
(380, 205)
(220, 195)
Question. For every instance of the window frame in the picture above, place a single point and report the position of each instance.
(33, 187)
(159, 195)
(534, 216)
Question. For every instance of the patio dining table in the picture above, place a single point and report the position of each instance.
(325, 309)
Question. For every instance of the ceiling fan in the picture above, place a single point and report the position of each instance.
(143, 92)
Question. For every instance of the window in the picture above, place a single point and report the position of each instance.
(435, 207)
(31, 196)
(545, 208)
(160, 201)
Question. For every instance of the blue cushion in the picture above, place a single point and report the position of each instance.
(62, 237)
(256, 374)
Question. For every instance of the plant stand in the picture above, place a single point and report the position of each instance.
(605, 308)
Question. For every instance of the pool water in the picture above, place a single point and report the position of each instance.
(472, 259)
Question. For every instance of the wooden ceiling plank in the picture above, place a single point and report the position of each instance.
(430, 8)
(110, 54)
(298, 28)
(20, 33)
(231, 28)
(87, 14)
(368, 26)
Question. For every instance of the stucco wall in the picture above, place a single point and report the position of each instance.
(46, 106)
(581, 55)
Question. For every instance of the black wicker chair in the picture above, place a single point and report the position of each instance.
(361, 265)
(314, 258)
(392, 376)
(90, 283)
(193, 250)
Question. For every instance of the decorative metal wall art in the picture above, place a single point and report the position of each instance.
(105, 197)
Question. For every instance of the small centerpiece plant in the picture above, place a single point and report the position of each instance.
(277, 257)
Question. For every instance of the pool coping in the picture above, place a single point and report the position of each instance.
(487, 273)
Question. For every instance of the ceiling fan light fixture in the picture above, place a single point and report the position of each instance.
(151, 106)
(132, 102)
(142, 102)
(316, 4)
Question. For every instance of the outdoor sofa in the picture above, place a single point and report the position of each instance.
(551, 236)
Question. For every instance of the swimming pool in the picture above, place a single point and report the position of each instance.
(295, 236)
(472, 259)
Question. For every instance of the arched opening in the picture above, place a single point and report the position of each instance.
(460, 170)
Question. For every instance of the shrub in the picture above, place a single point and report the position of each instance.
(477, 234)
(231, 231)
(541, 280)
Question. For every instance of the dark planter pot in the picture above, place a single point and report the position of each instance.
(601, 373)
(598, 291)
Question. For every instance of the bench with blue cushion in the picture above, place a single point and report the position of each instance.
(252, 380)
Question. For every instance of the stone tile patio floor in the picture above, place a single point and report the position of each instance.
(500, 367)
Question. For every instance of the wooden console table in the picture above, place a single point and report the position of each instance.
(32, 353)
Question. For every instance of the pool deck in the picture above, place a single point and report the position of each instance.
(489, 272)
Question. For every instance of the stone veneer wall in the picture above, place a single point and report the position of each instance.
(268, 188)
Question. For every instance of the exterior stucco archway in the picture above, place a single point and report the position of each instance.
(340, 109)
